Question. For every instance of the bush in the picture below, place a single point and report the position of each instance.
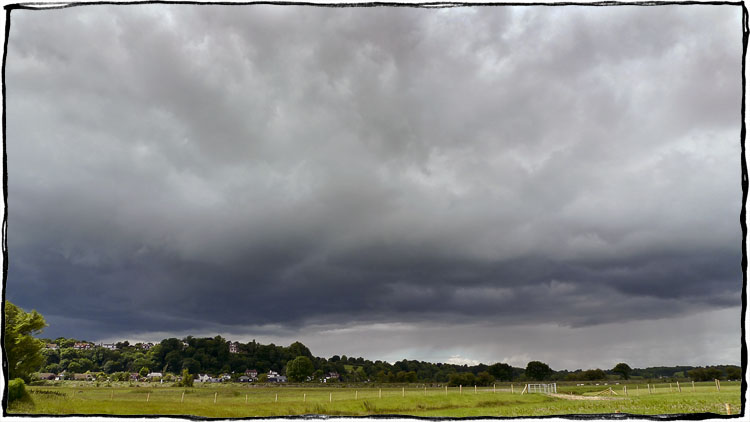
(17, 391)
(187, 379)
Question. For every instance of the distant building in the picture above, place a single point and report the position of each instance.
(154, 375)
(46, 376)
(331, 376)
(252, 374)
(52, 346)
(274, 376)
(82, 346)
(234, 347)
(110, 346)
(146, 346)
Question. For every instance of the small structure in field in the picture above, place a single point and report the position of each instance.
(540, 388)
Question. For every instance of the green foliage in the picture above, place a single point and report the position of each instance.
(593, 375)
(299, 369)
(17, 391)
(705, 374)
(538, 371)
(187, 378)
(23, 351)
(263, 378)
(734, 373)
(485, 379)
(143, 372)
(501, 371)
(623, 370)
(464, 379)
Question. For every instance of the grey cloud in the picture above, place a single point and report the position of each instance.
(169, 165)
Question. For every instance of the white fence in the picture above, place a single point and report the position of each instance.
(541, 388)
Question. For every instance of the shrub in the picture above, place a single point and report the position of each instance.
(17, 391)
(187, 379)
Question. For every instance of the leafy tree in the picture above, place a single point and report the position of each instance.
(501, 371)
(299, 349)
(22, 350)
(143, 372)
(462, 378)
(484, 378)
(538, 370)
(263, 378)
(75, 367)
(594, 374)
(187, 378)
(299, 369)
(734, 373)
(623, 370)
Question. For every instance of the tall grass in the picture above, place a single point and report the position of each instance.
(63, 398)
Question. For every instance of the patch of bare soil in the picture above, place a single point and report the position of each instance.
(574, 397)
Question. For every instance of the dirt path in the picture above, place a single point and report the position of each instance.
(574, 397)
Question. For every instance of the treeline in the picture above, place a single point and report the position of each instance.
(212, 356)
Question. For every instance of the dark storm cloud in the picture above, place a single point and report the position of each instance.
(186, 168)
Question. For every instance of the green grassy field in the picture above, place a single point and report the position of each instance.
(234, 400)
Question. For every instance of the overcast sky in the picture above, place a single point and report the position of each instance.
(472, 184)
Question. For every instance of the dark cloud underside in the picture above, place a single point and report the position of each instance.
(177, 168)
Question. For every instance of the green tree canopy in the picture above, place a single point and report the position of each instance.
(299, 368)
(623, 370)
(501, 371)
(24, 352)
(538, 370)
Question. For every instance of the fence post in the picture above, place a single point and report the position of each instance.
(356, 394)
(183, 397)
(446, 390)
(460, 389)
(625, 389)
(245, 398)
(729, 409)
(304, 397)
(215, 394)
(380, 393)
(693, 386)
(276, 399)
(330, 397)
(511, 388)
(679, 389)
(148, 396)
(493, 388)
(475, 388)
(403, 391)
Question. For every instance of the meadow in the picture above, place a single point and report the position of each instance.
(233, 400)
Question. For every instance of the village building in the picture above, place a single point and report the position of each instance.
(331, 376)
(83, 346)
